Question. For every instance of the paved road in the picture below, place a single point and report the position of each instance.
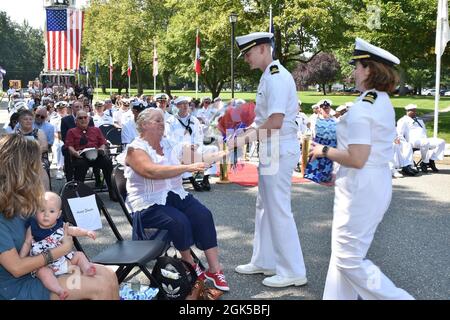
(411, 245)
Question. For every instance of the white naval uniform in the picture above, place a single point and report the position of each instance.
(362, 196)
(179, 134)
(276, 244)
(403, 154)
(415, 133)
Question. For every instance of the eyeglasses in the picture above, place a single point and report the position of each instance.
(82, 118)
(40, 117)
(207, 102)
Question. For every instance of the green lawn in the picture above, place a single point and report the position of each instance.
(308, 98)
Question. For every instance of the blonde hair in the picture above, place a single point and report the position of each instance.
(21, 189)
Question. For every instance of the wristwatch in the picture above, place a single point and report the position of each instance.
(325, 150)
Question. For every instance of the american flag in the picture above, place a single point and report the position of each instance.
(198, 66)
(155, 62)
(63, 38)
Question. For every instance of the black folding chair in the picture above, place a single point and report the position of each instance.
(104, 128)
(126, 254)
(119, 183)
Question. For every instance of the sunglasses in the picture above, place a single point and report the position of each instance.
(82, 117)
(40, 117)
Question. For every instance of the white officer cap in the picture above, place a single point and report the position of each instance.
(61, 104)
(217, 99)
(314, 106)
(410, 107)
(139, 105)
(161, 96)
(248, 41)
(365, 50)
(182, 99)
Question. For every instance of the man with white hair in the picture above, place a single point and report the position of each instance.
(414, 131)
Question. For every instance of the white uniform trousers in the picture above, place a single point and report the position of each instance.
(403, 154)
(362, 196)
(57, 153)
(430, 148)
(276, 244)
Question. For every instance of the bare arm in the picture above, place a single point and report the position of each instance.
(26, 247)
(80, 232)
(18, 266)
(140, 162)
(355, 157)
(42, 141)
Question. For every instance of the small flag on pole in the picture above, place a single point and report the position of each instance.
(442, 28)
(130, 64)
(198, 67)
(155, 62)
(110, 67)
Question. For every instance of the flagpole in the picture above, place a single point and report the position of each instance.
(110, 75)
(96, 88)
(196, 85)
(437, 92)
(155, 61)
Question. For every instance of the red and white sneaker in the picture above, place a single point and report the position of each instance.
(218, 279)
(200, 273)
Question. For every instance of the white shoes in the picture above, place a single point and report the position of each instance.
(252, 269)
(280, 282)
(396, 174)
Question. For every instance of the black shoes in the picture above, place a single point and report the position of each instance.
(424, 167)
(205, 183)
(408, 171)
(197, 186)
(433, 166)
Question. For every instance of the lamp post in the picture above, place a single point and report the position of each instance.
(233, 20)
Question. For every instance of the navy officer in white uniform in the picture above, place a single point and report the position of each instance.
(276, 245)
(414, 131)
(186, 128)
(363, 187)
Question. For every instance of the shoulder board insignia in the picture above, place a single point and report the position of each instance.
(370, 97)
(274, 69)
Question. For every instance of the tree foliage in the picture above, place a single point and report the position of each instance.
(21, 50)
(322, 70)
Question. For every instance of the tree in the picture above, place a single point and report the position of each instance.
(21, 50)
(322, 70)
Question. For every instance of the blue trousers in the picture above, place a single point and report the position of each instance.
(187, 221)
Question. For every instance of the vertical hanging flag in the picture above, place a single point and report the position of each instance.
(130, 64)
(63, 35)
(198, 67)
(110, 67)
(272, 30)
(155, 62)
(442, 28)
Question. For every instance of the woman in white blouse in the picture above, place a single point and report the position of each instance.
(158, 199)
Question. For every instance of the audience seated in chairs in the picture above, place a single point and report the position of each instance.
(413, 130)
(82, 137)
(158, 199)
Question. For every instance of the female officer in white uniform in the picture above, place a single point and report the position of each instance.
(276, 245)
(363, 185)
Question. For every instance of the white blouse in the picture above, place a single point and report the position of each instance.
(143, 192)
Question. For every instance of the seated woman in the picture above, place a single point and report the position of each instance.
(158, 199)
(22, 195)
(26, 129)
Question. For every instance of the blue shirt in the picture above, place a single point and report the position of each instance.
(12, 235)
(48, 129)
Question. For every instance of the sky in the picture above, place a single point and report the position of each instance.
(30, 10)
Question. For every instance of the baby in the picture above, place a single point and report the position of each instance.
(45, 232)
